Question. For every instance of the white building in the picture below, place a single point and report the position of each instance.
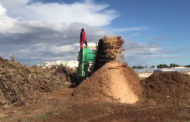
(69, 64)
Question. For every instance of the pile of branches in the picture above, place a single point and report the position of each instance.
(18, 81)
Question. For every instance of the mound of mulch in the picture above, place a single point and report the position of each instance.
(110, 48)
(18, 81)
(114, 82)
(172, 88)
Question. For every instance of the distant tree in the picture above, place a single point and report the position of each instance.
(174, 65)
(138, 67)
(152, 66)
(187, 65)
(162, 66)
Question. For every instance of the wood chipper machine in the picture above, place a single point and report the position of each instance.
(94, 56)
(86, 59)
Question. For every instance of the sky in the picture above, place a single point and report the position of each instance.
(36, 31)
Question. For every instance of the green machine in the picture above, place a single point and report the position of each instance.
(86, 60)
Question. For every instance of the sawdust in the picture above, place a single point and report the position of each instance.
(114, 82)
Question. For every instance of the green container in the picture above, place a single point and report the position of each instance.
(86, 56)
(89, 55)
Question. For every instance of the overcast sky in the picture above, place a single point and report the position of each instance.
(35, 31)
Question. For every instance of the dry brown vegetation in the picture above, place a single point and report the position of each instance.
(19, 82)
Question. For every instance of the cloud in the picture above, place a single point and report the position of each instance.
(6, 23)
(40, 42)
(13, 4)
(86, 12)
(145, 54)
(135, 34)
(158, 38)
(39, 32)
(37, 41)
(129, 29)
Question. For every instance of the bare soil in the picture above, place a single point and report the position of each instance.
(60, 105)
(57, 106)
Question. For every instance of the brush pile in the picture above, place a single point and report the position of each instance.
(109, 49)
(18, 82)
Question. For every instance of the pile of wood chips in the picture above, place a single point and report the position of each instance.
(110, 48)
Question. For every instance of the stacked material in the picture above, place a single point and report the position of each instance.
(114, 82)
(109, 49)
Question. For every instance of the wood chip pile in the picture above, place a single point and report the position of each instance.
(110, 48)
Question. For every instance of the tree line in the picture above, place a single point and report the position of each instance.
(159, 66)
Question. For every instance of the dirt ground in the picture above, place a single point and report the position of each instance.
(58, 105)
